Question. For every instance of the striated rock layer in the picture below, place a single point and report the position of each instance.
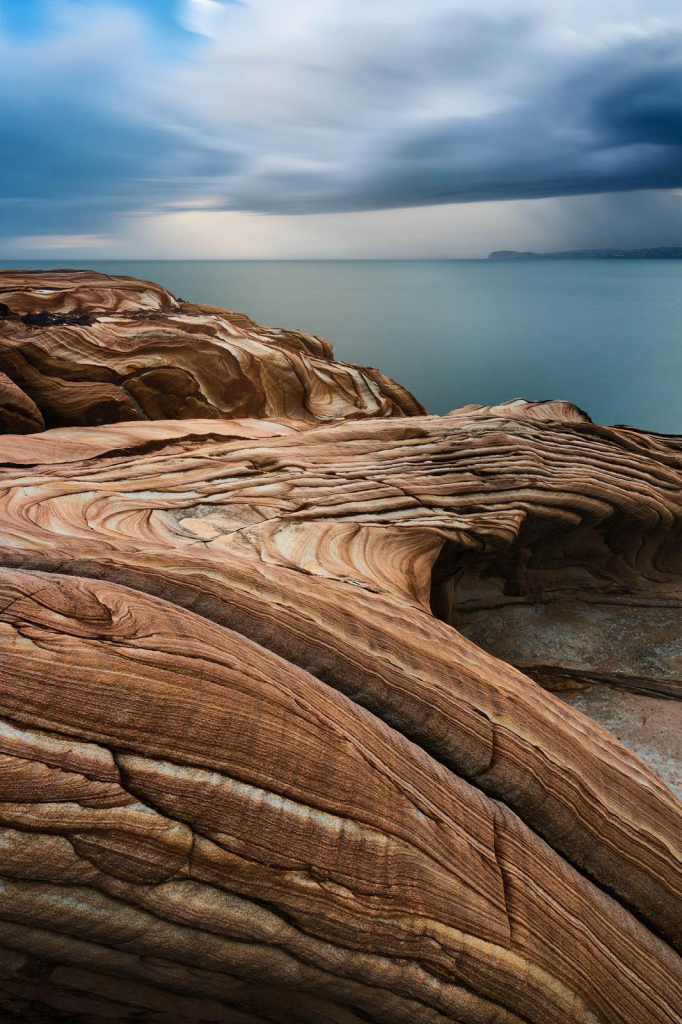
(86, 349)
(586, 585)
(251, 768)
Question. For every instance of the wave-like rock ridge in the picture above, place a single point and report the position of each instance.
(273, 746)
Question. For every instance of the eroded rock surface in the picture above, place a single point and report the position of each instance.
(586, 585)
(86, 348)
(248, 775)
(18, 413)
(648, 725)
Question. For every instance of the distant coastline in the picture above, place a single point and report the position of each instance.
(673, 252)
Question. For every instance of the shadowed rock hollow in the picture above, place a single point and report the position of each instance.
(253, 766)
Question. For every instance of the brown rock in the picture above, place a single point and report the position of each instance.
(586, 585)
(648, 725)
(247, 775)
(73, 292)
(89, 349)
(18, 414)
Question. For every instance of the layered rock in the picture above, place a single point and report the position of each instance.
(586, 585)
(248, 775)
(87, 348)
(18, 413)
(46, 294)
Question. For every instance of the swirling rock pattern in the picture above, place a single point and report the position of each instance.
(587, 586)
(86, 349)
(251, 769)
(60, 293)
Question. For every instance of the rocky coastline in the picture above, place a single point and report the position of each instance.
(664, 252)
(288, 671)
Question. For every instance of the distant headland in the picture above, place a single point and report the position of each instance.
(671, 252)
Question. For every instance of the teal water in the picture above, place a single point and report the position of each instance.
(605, 334)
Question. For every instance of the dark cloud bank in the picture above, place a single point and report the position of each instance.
(96, 124)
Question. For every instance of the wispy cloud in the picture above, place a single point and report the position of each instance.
(58, 243)
(315, 106)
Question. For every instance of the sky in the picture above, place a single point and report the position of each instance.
(261, 129)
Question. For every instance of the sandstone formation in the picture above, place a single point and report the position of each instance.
(87, 349)
(18, 413)
(251, 767)
(644, 723)
(586, 586)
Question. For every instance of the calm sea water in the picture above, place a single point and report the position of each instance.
(605, 334)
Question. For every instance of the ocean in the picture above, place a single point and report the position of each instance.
(604, 334)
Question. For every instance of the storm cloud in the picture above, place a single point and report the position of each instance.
(315, 106)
